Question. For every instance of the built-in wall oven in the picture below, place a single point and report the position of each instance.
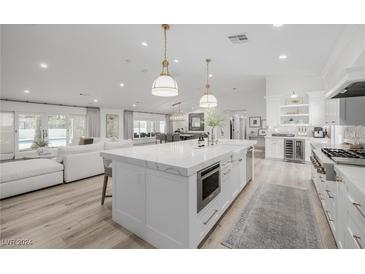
(208, 185)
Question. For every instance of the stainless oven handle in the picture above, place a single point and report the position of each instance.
(358, 207)
(207, 221)
(210, 173)
(357, 240)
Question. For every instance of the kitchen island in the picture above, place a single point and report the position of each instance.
(172, 194)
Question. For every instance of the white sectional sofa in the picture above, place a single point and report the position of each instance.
(23, 176)
(72, 163)
(82, 161)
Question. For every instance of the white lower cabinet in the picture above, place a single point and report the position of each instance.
(233, 178)
(274, 148)
(227, 186)
(344, 207)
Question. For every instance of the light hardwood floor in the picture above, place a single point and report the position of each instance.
(70, 215)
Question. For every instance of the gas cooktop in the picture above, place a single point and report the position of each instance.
(346, 156)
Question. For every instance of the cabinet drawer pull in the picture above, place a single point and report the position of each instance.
(329, 217)
(357, 240)
(329, 194)
(207, 221)
(358, 207)
(228, 171)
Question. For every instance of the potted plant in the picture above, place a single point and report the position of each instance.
(39, 144)
(214, 120)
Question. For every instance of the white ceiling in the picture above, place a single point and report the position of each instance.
(92, 59)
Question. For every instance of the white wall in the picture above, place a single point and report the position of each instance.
(251, 99)
(284, 84)
(185, 123)
(103, 113)
(349, 51)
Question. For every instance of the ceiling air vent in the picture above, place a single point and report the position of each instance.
(238, 38)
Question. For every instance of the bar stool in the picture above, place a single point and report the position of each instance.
(107, 173)
(169, 137)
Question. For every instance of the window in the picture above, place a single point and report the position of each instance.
(136, 128)
(29, 130)
(147, 124)
(77, 128)
(6, 135)
(57, 130)
(162, 126)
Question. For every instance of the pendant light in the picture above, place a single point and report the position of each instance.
(165, 85)
(208, 100)
(179, 115)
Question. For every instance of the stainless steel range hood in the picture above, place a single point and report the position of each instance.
(355, 89)
(352, 84)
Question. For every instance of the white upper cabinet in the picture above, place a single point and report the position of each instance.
(273, 110)
(316, 108)
(332, 112)
(345, 111)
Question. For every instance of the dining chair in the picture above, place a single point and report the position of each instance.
(169, 137)
(107, 173)
(176, 137)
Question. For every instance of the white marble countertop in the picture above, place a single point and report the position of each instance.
(294, 137)
(353, 174)
(182, 158)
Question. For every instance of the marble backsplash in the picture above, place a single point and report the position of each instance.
(354, 134)
(338, 134)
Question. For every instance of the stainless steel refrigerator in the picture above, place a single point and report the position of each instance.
(238, 127)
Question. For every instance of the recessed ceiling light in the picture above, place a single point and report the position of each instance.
(283, 56)
(134, 105)
(95, 100)
(210, 75)
(176, 60)
(277, 25)
(121, 84)
(26, 91)
(144, 44)
(43, 65)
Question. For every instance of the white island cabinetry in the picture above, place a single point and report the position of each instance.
(155, 189)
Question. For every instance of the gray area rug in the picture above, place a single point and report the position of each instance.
(276, 217)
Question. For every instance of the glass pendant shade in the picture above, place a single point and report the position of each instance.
(208, 101)
(165, 86)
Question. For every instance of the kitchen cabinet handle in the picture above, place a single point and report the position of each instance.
(240, 160)
(358, 207)
(357, 240)
(207, 221)
(329, 194)
(329, 217)
(228, 171)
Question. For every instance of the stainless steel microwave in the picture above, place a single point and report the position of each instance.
(208, 185)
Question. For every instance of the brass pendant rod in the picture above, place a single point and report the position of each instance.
(165, 63)
(207, 86)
